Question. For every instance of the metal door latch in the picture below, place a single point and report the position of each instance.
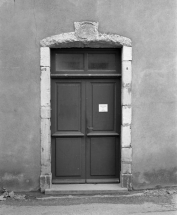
(90, 128)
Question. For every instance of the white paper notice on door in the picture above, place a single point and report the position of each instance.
(103, 107)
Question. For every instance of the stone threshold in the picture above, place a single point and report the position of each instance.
(85, 189)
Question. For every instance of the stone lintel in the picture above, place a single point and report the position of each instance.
(69, 40)
(86, 35)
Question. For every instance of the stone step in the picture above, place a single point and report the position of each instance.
(85, 189)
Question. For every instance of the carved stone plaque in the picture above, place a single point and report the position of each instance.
(86, 30)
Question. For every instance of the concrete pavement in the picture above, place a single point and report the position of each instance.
(135, 203)
(95, 209)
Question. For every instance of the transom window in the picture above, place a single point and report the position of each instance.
(86, 61)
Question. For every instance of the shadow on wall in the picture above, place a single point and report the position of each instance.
(155, 178)
(16, 182)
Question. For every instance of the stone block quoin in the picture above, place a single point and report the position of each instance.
(45, 57)
(46, 176)
(126, 152)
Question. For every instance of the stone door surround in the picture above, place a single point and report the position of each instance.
(86, 34)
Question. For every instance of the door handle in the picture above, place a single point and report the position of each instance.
(90, 129)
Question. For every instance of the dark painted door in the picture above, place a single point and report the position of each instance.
(86, 118)
(103, 125)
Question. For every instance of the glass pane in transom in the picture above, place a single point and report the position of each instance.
(101, 61)
(69, 62)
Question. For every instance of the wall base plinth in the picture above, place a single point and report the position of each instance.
(45, 182)
(126, 181)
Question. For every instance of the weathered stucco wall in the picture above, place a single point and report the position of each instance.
(153, 29)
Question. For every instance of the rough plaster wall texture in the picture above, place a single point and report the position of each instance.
(152, 27)
(154, 126)
(20, 97)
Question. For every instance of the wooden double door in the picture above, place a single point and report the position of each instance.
(86, 118)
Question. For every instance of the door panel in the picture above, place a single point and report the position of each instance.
(103, 106)
(103, 156)
(68, 107)
(68, 103)
(69, 157)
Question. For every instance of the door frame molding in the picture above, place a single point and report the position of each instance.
(86, 35)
